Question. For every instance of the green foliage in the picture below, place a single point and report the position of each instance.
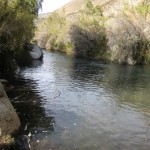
(137, 18)
(92, 10)
(56, 22)
(54, 32)
(143, 8)
(57, 32)
(89, 7)
(88, 34)
(7, 140)
(16, 23)
(146, 50)
(82, 35)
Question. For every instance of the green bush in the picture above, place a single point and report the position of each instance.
(143, 8)
(16, 28)
(140, 46)
(16, 23)
(128, 38)
(84, 35)
(56, 32)
(88, 35)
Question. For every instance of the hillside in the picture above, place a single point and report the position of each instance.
(108, 6)
(117, 31)
(76, 5)
(44, 15)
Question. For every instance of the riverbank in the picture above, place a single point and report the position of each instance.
(117, 32)
(9, 120)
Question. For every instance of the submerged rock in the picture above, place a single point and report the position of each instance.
(22, 142)
(9, 121)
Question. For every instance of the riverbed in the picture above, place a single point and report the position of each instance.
(69, 103)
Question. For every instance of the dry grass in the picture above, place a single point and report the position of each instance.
(128, 35)
(76, 5)
(127, 31)
(6, 140)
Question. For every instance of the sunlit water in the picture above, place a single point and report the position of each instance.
(76, 104)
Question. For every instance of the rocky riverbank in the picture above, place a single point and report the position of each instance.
(9, 120)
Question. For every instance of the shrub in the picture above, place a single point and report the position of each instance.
(141, 47)
(127, 37)
(6, 142)
(83, 36)
(16, 23)
(88, 34)
(16, 27)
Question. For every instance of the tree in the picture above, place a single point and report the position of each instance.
(93, 10)
(17, 23)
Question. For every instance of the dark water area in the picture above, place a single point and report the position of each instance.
(69, 103)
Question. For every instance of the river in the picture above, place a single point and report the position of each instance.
(69, 103)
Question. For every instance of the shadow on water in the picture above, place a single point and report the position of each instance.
(129, 84)
(28, 103)
(72, 103)
(87, 70)
(29, 107)
(32, 64)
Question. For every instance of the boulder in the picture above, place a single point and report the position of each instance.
(2, 91)
(36, 52)
(9, 121)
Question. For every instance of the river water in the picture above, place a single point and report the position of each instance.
(69, 103)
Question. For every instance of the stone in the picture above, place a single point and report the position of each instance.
(9, 120)
(36, 52)
(3, 81)
(2, 91)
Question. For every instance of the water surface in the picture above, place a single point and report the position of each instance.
(77, 104)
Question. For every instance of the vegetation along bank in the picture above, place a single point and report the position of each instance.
(16, 29)
(115, 31)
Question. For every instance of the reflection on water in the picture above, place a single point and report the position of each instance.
(70, 103)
